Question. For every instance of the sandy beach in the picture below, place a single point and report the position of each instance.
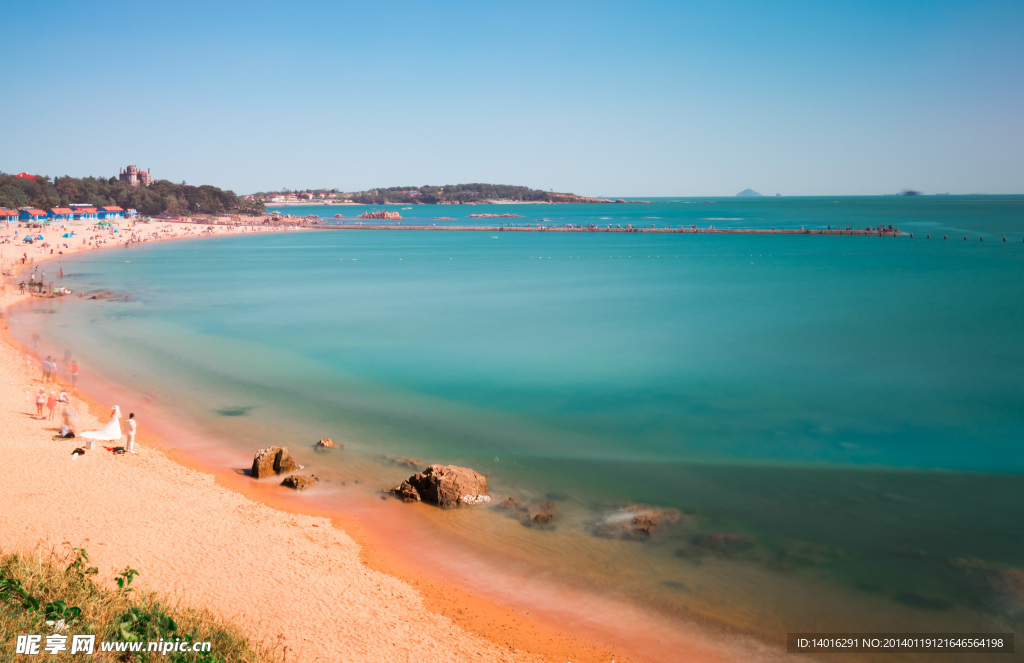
(315, 588)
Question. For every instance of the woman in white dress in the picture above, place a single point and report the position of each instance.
(111, 430)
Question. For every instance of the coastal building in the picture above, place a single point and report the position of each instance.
(135, 177)
(32, 215)
(8, 215)
(25, 176)
(110, 213)
(60, 214)
(84, 213)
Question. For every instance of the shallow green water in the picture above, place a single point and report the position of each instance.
(851, 406)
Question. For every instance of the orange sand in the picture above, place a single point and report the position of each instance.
(289, 578)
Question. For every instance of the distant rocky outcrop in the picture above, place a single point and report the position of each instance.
(386, 216)
(444, 485)
(300, 482)
(271, 461)
(748, 193)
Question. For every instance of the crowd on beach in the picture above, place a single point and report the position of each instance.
(55, 397)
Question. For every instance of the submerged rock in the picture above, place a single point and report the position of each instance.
(635, 521)
(404, 462)
(535, 514)
(723, 543)
(444, 485)
(300, 481)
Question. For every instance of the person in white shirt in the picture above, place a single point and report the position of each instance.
(131, 433)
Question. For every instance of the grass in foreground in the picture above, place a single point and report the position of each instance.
(54, 593)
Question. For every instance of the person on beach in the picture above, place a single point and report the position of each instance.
(51, 405)
(130, 447)
(70, 420)
(40, 402)
(111, 430)
(74, 373)
(47, 368)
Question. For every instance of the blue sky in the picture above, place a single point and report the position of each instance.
(599, 98)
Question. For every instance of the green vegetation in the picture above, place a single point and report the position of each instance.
(60, 589)
(161, 196)
(461, 193)
(431, 195)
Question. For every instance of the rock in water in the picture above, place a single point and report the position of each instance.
(326, 443)
(635, 521)
(263, 462)
(273, 460)
(300, 481)
(283, 463)
(444, 485)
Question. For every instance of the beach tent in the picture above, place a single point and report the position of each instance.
(102, 223)
(38, 237)
(28, 238)
(68, 235)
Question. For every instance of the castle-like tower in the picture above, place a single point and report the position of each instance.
(134, 176)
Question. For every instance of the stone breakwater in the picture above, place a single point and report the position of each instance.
(574, 229)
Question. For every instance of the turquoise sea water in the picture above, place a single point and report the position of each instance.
(850, 408)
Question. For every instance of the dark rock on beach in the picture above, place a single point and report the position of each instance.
(446, 486)
(300, 481)
(270, 461)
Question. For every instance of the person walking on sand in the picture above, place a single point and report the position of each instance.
(47, 369)
(130, 448)
(74, 373)
(51, 405)
(40, 402)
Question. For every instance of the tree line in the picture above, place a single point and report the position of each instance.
(160, 197)
(457, 193)
(432, 195)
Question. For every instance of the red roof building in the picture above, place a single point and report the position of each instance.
(25, 176)
(30, 214)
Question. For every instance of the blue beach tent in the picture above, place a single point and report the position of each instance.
(68, 235)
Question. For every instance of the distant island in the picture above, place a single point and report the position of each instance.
(748, 193)
(449, 194)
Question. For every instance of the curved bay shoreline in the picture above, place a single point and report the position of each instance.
(365, 594)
